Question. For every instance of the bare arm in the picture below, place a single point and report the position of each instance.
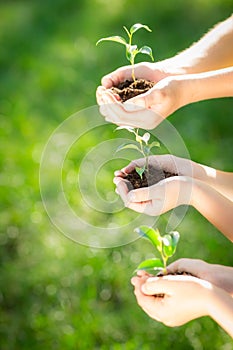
(214, 207)
(213, 51)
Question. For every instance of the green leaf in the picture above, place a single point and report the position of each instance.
(151, 234)
(128, 146)
(115, 38)
(167, 245)
(170, 242)
(131, 52)
(140, 171)
(147, 51)
(150, 264)
(137, 26)
(154, 144)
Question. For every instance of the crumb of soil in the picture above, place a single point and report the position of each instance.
(130, 88)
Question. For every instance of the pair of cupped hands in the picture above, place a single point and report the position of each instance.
(146, 111)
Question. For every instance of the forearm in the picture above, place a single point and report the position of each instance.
(221, 181)
(208, 85)
(213, 51)
(203, 86)
(221, 309)
(214, 207)
(221, 276)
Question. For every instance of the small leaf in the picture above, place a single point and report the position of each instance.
(140, 171)
(175, 236)
(131, 52)
(150, 264)
(154, 144)
(137, 26)
(115, 38)
(147, 51)
(167, 245)
(146, 137)
(151, 234)
(128, 146)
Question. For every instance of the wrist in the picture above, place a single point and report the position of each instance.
(172, 66)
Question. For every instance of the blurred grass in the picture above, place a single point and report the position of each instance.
(56, 294)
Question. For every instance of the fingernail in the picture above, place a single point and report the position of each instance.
(144, 288)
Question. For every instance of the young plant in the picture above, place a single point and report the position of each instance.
(131, 49)
(166, 246)
(143, 146)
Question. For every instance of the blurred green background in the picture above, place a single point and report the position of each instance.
(54, 293)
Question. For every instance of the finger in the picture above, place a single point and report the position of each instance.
(142, 208)
(156, 285)
(191, 266)
(174, 267)
(168, 284)
(131, 166)
(99, 93)
(122, 117)
(110, 97)
(148, 303)
(116, 77)
(142, 194)
(122, 189)
(142, 273)
(119, 173)
(138, 118)
(137, 281)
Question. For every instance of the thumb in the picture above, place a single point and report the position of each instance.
(148, 99)
(156, 285)
(148, 193)
(140, 195)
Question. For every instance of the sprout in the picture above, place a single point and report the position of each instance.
(131, 50)
(166, 246)
(143, 146)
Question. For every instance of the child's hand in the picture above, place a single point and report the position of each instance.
(185, 298)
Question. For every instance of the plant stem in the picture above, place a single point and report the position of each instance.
(164, 264)
(147, 165)
(133, 75)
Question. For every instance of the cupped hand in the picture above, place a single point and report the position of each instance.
(144, 70)
(156, 199)
(146, 110)
(185, 298)
(166, 162)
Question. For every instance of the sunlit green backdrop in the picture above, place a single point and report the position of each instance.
(54, 293)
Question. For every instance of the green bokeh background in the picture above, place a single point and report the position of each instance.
(54, 293)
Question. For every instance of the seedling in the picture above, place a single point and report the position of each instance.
(143, 146)
(166, 246)
(131, 49)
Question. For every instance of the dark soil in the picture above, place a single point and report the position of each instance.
(153, 176)
(130, 88)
